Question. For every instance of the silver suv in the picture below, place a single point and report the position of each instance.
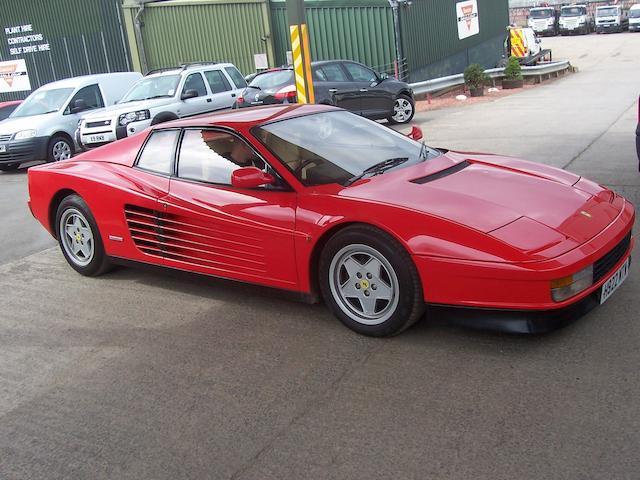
(164, 95)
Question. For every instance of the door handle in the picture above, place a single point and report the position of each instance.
(208, 100)
(333, 90)
(364, 89)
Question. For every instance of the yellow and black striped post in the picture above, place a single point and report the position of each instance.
(300, 51)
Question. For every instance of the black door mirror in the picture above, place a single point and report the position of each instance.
(189, 94)
(78, 105)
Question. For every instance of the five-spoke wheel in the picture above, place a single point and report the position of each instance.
(403, 109)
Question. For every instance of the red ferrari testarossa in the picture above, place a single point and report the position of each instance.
(319, 201)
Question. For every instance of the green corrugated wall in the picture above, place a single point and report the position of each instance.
(352, 29)
(430, 37)
(84, 37)
(181, 31)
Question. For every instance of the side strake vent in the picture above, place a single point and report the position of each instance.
(442, 173)
(186, 240)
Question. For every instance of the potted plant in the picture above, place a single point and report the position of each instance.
(512, 74)
(475, 78)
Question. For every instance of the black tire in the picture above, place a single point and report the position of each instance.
(9, 167)
(59, 148)
(98, 262)
(402, 282)
(403, 97)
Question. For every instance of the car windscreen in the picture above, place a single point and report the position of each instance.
(43, 101)
(152, 87)
(606, 12)
(634, 13)
(573, 11)
(271, 80)
(6, 111)
(542, 13)
(335, 147)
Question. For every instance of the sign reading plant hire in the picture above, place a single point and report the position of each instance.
(467, 13)
(14, 76)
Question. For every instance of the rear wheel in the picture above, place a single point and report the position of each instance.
(369, 282)
(60, 148)
(79, 237)
(403, 109)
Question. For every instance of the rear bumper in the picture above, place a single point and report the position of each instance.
(19, 151)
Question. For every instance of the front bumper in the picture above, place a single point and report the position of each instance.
(608, 27)
(98, 135)
(20, 151)
(634, 27)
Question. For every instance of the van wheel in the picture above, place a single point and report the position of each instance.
(59, 148)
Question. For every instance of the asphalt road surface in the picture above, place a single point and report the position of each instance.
(143, 375)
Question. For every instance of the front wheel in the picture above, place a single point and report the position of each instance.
(403, 109)
(59, 148)
(369, 282)
(79, 237)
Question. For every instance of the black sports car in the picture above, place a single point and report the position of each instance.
(346, 84)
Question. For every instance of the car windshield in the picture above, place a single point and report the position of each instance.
(634, 13)
(270, 80)
(43, 101)
(606, 12)
(152, 87)
(335, 147)
(542, 13)
(573, 11)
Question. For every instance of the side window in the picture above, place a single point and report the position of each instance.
(87, 98)
(360, 73)
(158, 151)
(211, 156)
(334, 73)
(217, 81)
(318, 74)
(195, 82)
(236, 76)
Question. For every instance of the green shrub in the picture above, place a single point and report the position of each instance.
(474, 76)
(513, 70)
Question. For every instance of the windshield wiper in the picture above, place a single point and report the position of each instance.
(157, 96)
(378, 168)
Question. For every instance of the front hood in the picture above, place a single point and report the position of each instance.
(13, 125)
(487, 192)
(119, 109)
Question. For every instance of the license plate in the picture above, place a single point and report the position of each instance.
(615, 281)
(3, 148)
(96, 138)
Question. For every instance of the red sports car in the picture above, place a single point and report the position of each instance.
(319, 201)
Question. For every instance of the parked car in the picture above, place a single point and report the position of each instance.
(163, 95)
(316, 200)
(634, 18)
(543, 20)
(611, 18)
(638, 135)
(575, 19)
(349, 85)
(42, 127)
(7, 108)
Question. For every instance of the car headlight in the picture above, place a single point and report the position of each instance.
(567, 287)
(137, 116)
(24, 134)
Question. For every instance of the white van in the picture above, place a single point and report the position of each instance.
(634, 18)
(43, 126)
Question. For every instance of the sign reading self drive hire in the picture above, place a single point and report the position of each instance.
(467, 13)
(14, 76)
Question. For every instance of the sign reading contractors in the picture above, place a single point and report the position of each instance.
(22, 39)
(14, 76)
(467, 13)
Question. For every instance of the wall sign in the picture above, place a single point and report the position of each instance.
(22, 39)
(14, 76)
(467, 13)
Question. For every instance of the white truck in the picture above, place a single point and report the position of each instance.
(543, 20)
(634, 18)
(575, 19)
(611, 18)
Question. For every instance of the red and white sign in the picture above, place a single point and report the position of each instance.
(14, 76)
(467, 13)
